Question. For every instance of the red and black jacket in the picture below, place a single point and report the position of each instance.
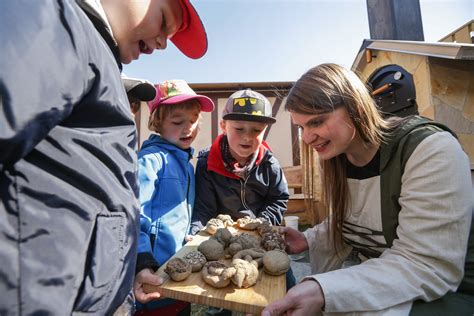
(264, 193)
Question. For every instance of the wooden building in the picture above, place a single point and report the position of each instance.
(463, 34)
(442, 75)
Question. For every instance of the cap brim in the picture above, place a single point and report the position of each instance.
(192, 41)
(206, 103)
(249, 117)
(139, 89)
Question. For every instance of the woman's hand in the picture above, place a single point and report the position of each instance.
(146, 276)
(303, 299)
(295, 240)
(188, 238)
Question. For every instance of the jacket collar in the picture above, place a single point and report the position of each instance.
(216, 164)
(157, 140)
(94, 7)
(96, 13)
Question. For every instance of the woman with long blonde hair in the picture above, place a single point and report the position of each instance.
(398, 198)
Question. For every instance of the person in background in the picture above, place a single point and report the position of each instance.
(166, 179)
(138, 90)
(397, 239)
(68, 181)
(239, 175)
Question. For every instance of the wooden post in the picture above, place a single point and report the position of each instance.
(395, 20)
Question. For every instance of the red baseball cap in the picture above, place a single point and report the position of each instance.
(177, 91)
(191, 38)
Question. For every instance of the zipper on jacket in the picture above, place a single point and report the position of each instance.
(152, 242)
(243, 183)
(187, 206)
(187, 200)
(242, 193)
(153, 234)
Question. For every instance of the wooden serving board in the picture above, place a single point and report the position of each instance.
(251, 300)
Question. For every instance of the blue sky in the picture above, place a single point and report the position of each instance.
(278, 40)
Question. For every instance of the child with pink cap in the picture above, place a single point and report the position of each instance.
(166, 179)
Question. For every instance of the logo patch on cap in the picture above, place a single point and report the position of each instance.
(173, 88)
(177, 91)
(251, 106)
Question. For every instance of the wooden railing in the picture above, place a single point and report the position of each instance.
(305, 206)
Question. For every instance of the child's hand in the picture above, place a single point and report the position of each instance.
(146, 276)
(295, 240)
(188, 238)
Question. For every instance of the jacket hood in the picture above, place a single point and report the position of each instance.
(390, 145)
(157, 140)
(215, 162)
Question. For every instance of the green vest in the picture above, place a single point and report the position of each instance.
(393, 158)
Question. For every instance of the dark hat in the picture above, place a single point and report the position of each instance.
(139, 89)
(248, 105)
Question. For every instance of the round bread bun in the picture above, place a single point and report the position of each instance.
(276, 262)
(211, 249)
(196, 259)
(178, 269)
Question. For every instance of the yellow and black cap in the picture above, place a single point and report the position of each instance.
(248, 105)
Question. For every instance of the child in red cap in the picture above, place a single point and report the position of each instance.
(68, 148)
